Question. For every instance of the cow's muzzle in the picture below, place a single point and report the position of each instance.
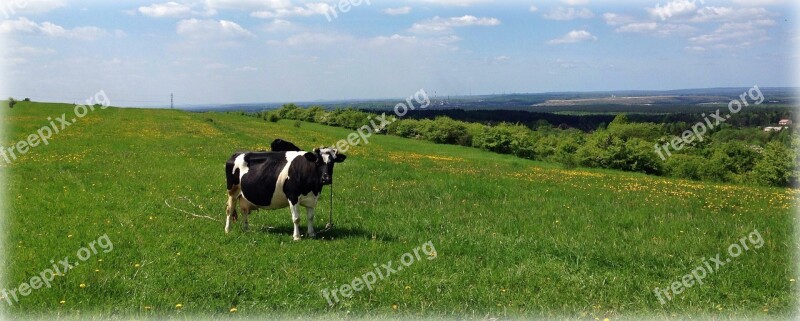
(327, 181)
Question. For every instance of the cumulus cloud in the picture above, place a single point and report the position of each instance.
(735, 35)
(311, 38)
(438, 24)
(25, 26)
(562, 13)
(460, 3)
(614, 19)
(397, 11)
(309, 9)
(250, 5)
(573, 36)
(169, 9)
(708, 14)
(673, 8)
(211, 29)
(33, 6)
(655, 28)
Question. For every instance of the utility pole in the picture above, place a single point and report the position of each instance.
(171, 101)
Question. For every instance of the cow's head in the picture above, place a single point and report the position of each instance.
(326, 158)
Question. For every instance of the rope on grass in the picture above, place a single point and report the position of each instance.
(190, 213)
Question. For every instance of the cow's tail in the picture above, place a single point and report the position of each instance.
(232, 178)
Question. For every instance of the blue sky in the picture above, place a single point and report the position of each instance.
(237, 51)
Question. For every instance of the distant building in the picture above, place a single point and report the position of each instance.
(785, 122)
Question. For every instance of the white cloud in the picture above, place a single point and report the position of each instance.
(278, 25)
(32, 6)
(248, 5)
(27, 50)
(397, 11)
(562, 13)
(499, 59)
(460, 3)
(309, 38)
(613, 19)
(694, 49)
(707, 14)
(656, 28)
(759, 3)
(638, 27)
(438, 24)
(573, 37)
(533, 9)
(395, 38)
(23, 25)
(400, 41)
(575, 2)
(673, 8)
(309, 9)
(211, 29)
(246, 69)
(735, 35)
(169, 9)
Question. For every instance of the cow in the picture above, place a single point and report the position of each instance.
(274, 180)
(280, 145)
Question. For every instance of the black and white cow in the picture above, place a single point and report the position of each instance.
(273, 180)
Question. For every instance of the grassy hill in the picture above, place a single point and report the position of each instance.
(512, 237)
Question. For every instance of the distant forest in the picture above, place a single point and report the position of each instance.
(737, 150)
(676, 122)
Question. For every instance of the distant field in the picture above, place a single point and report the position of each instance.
(635, 101)
(513, 238)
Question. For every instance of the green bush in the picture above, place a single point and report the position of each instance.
(445, 130)
(776, 167)
(685, 166)
(496, 139)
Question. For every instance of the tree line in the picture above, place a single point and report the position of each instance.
(728, 153)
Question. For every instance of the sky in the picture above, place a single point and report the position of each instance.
(247, 51)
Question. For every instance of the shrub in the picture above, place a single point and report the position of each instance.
(685, 166)
(496, 139)
(11, 102)
(775, 167)
(445, 130)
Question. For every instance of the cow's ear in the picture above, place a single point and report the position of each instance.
(311, 157)
(316, 151)
(340, 158)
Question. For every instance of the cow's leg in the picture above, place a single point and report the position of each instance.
(310, 212)
(296, 220)
(245, 222)
(230, 211)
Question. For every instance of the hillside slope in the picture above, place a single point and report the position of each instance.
(512, 237)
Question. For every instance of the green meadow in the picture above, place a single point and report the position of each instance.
(512, 237)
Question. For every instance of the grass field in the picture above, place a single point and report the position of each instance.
(513, 238)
